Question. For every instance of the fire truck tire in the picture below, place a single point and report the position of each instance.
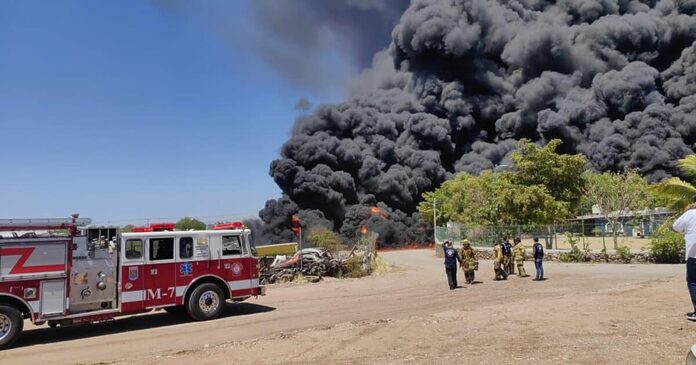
(11, 325)
(206, 302)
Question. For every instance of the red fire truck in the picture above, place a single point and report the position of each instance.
(93, 274)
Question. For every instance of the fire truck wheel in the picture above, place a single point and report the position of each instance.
(206, 302)
(11, 324)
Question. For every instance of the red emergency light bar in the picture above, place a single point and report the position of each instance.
(229, 225)
(155, 227)
(162, 226)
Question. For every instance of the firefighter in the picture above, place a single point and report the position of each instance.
(507, 257)
(451, 259)
(469, 262)
(519, 257)
(498, 261)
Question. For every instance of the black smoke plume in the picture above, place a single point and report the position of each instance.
(463, 81)
(313, 44)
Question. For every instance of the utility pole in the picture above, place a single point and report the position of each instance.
(301, 254)
(434, 223)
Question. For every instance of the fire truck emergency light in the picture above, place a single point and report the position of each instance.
(155, 227)
(228, 225)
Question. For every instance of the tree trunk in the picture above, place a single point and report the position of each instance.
(604, 246)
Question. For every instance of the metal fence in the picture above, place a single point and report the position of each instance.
(551, 235)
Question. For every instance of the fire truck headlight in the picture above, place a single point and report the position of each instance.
(101, 275)
(101, 285)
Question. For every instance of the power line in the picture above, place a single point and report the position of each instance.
(205, 219)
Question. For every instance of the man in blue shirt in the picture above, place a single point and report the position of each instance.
(507, 253)
(451, 259)
(538, 250)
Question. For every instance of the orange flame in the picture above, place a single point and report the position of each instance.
(379, 212)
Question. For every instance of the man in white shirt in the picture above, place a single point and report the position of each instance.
(686, 224)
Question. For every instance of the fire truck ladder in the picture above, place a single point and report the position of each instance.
(42, 223)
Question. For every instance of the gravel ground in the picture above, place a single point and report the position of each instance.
(583, 314)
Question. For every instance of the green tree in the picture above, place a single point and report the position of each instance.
(561, 175)
(127, 228)
(492, 199)
(543, 186)
(616, 195)
(676, 193)
(324, 237)
(187, 223)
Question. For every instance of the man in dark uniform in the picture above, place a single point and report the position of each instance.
(451, 260)
(507, 252)
(538, 259)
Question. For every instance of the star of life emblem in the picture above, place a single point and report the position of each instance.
(186, 269)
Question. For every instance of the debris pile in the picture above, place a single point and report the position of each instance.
(310, 263)
(314, 263)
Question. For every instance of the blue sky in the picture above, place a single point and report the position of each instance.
(120, 111)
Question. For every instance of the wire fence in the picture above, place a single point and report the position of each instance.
(597, 234)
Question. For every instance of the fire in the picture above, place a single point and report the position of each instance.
(363, 230)
(376, 211)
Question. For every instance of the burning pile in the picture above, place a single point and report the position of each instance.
(313, 264)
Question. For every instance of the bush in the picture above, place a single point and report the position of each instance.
(666, 245)
(354, 268)
(565, 257)
(624, 253)
(575, 255)
(325, 238)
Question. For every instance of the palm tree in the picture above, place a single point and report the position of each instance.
(679, 193)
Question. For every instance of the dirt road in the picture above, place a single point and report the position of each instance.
(584, 314)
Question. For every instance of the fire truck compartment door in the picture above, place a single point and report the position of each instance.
(235, 265)
(160, 272)
(52, 297)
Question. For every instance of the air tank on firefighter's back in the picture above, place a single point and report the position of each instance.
(93, 275)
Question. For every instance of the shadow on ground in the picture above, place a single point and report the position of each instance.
(45, 335)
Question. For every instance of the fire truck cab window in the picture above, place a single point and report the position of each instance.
(134, 249)
(161, 249)
(231, 245)
(185, 247)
